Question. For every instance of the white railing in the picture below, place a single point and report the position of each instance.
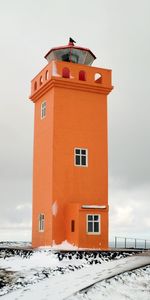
(131, 243)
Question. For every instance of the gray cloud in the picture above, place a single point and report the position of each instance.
(129, 212)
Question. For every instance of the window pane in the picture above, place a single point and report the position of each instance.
(90, 217)
(83, 151)
(96, 227)
(90, 226)
(83, 160)
(77, 151)
(77, 160)
(96, 218)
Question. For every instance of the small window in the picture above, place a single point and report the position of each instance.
(41, 222)
(82, 75)
(43, 110)
(35, 85)
(98, 78)
(72, 225)
(81, 157)
(93, 224)
(66, 73)
(41, 80)
(46, 75)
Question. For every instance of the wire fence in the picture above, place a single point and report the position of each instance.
(131, 243)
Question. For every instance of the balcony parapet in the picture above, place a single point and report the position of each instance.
(72, 76)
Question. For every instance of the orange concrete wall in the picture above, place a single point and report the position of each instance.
(80, 121)
(42, 170)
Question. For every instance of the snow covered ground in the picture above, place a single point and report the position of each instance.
(133, 285)
(46, 274)
(15, 244)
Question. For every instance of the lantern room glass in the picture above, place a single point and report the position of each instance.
(70, 54)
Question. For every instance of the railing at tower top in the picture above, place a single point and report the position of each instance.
(74, 72)
(131, 243)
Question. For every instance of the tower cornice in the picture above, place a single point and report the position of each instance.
(68, 84)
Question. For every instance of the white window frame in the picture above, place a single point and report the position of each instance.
(86, 155)
(93, 221)
(43, 110)
(41, 222)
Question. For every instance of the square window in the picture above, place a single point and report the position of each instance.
(93, 224)
(81, 157)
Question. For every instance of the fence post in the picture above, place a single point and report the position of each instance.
(125, 243)
(135, 243)
(115, 241)
(145, 244)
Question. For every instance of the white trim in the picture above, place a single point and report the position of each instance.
(93, 233)
(94, 206)
(43, 109)
(86, 155)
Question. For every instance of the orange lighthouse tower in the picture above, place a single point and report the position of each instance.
(70, 167)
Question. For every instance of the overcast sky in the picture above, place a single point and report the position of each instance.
(118, 32)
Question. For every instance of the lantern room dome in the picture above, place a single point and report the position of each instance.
(71, 53)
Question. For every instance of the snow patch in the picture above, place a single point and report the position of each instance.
(54, 208)
(64, 246)
(66, 285)
(37, 260)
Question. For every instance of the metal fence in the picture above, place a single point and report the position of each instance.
(131, 243)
